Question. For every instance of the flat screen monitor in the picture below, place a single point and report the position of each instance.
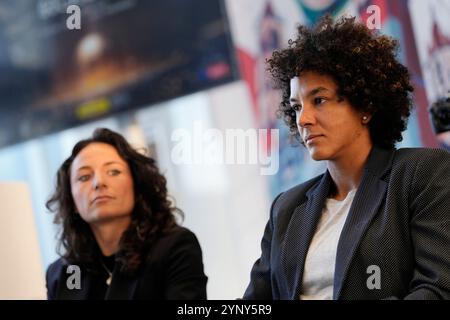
(126, 54)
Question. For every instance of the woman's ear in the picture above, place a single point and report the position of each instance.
(365, 118)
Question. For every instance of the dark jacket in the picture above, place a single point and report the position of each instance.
(173, 270)
(399, 221)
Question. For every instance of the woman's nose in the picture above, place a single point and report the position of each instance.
(98, 181)
(305, 117)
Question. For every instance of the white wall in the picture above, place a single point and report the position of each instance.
(21, 273)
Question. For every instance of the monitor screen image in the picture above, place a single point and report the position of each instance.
(127, 54)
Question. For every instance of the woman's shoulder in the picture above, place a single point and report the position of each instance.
(178, 233)
(60, 266)
(423, 165)
(53, 275)
(297, 192)
(57, 266)
(421, 160)
(176, 241)
(174, 237)
(422, 154)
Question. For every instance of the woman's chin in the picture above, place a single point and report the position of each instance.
(316, 154)
(105, 216)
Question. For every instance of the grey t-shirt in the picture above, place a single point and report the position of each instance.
(320, 261)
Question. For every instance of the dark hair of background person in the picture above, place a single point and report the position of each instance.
(364, 66)
(152, 215)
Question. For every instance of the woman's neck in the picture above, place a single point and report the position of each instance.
(347, 171)
(108, 234)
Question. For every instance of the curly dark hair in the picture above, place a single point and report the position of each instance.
(362, 63)
(153, 213)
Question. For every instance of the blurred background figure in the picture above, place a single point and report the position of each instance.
(440, 117)
(119, 228)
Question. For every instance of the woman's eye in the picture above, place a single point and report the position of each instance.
(114, 172)
(296, 107)
(319, 100)
(83, 178)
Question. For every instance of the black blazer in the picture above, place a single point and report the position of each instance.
(399, 221)
(173, 270)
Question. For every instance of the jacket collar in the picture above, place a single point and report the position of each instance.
(365, 205)
(367, 200)
(300, 232)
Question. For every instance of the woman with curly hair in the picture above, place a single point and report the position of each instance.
(119, 232)
(376, 224)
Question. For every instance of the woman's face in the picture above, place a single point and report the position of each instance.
(101, 184)
(329, 127)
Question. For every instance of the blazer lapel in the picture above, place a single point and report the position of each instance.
(122, 286)
(299, 234)
(368, 199)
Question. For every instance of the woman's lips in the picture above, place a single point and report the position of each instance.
(312, 138)
(102, 199)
